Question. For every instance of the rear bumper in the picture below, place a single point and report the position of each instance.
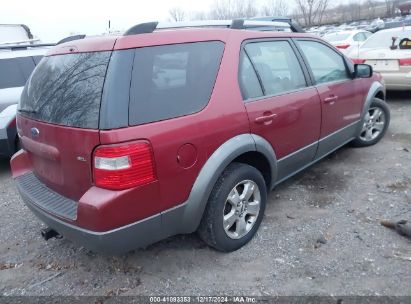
(122, 239)
(397, 80)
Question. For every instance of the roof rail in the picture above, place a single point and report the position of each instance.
(237, 24)
(294, 26)
(142, 28)
(263, 25)
(71, 38)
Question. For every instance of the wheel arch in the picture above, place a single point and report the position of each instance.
(377, 90)
(234, 149)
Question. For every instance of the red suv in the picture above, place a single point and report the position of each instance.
(130, 139)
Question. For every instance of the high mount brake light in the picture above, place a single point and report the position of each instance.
(123, 166)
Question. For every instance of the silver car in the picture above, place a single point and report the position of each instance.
(16, 64)
(385, 54)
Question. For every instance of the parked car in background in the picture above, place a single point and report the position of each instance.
(175, 129)
(347, 41)
(15, 33)
(376, 25)
(385, 54)
(16, 65)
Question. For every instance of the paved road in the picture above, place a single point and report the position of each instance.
(338, 201)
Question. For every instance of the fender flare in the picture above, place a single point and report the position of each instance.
(375, 88)
(195, 205)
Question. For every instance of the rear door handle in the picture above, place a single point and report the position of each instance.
(265, 118)
(331, 99)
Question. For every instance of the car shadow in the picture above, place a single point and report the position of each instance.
(402, 96)
(4, 166)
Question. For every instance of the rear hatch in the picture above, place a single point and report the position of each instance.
(58, 119)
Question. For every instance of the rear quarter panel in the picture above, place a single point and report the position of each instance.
(223, 118)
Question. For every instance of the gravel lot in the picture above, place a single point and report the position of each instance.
(320, 235)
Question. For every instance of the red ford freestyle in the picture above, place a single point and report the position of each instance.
(131, 139)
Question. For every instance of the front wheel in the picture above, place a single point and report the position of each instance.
(375, 124)
(235, 208)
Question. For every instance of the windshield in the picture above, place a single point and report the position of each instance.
(66, 89)
(336, 37)
(384, 39)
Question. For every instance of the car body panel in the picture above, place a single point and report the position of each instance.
(61, 157)
(345, 110)
(57, 157)
(296, 124)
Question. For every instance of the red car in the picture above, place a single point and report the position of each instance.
(131, 139)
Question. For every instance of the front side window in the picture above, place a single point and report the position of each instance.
(173, 80)
(326, 64)
(277, 66)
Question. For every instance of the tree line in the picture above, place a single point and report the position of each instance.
(306, 12)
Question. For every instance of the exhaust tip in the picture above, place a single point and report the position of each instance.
(49, 233)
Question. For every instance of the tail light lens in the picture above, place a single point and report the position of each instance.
(342, 46)
(358, 61)
(405, 62)
(12, 123)
(123, 166)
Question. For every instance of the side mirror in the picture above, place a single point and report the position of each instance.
(362, 71)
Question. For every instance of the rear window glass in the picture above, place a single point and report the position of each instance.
(336, 37)
(14, 72)
(173, 80)
(66, 89)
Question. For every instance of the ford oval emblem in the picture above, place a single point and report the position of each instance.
(35, 132)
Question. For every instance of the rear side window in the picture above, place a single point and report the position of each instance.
(277, 66)
(66, 89)
(173, 80)
(14, 72)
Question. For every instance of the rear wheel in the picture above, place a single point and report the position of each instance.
(235, 208)
(375, 124)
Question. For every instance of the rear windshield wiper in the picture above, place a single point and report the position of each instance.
(27, 111)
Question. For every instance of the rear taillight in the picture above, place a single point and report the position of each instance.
(358, 61)
(123, 166)
(342, 46)
(405, 62)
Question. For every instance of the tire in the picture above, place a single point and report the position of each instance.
(244, 215)
(17, 145)
(376, 122)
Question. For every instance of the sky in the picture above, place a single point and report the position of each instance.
(53, 20)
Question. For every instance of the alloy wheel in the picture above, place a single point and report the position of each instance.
(241, 209)
(374, 124)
